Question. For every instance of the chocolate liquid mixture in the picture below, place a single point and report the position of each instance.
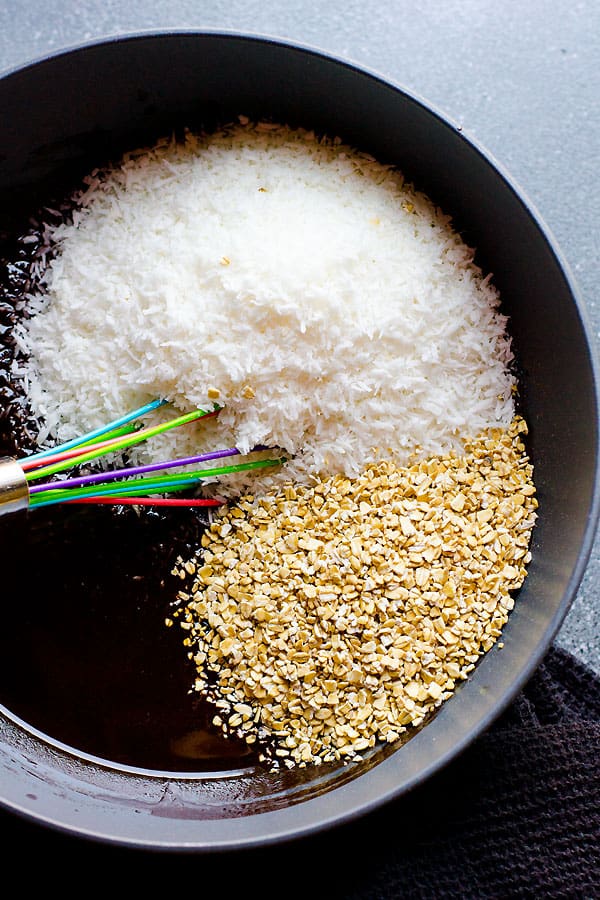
(85, 656)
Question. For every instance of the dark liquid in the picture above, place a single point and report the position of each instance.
(85, 655)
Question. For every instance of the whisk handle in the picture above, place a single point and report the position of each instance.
(14, 492)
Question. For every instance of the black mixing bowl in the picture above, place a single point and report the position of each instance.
(72, 650)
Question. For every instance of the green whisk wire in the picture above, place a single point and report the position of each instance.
(129, 440)
(149, 484)
(105, 432)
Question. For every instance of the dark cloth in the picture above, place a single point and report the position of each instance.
(516, 815)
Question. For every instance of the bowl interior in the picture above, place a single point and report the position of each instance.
(63, 116)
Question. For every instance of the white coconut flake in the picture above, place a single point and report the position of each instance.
(263, 261)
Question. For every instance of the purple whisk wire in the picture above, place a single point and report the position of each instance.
(137, 470)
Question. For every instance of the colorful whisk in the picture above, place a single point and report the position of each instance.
(23, 483)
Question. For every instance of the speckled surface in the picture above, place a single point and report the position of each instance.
(523, 79)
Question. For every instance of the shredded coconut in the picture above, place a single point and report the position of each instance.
(330, 307)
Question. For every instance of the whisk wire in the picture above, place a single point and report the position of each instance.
(105, 431)
(67, 459)
(115, 474)
(55, 494)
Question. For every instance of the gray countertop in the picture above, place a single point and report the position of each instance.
(523, 79)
